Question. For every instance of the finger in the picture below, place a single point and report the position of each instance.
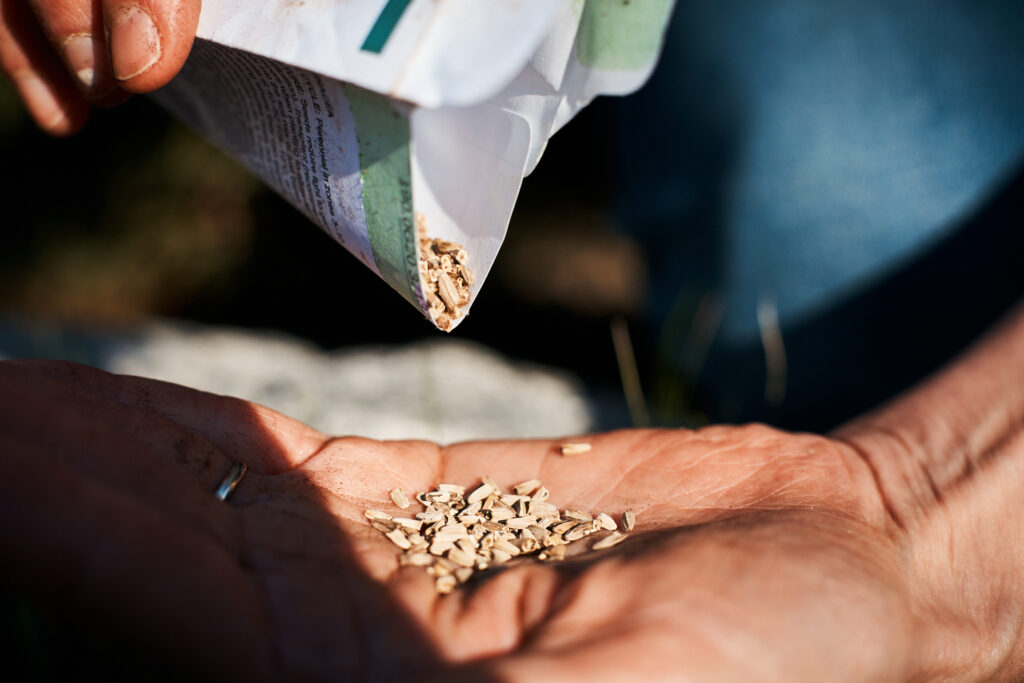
(267, 441)
(489, 618)
(149, 40)
(75, 30)
(49, 94)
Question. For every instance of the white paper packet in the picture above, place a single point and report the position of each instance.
(376, 117)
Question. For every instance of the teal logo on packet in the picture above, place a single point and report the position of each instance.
(384, 26)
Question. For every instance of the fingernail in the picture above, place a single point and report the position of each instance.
(41, 101)
(134, 42)
(80, 51)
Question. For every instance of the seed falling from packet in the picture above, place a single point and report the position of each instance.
(445, 277)
(458, 534)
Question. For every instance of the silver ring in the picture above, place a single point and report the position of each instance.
(231, 480)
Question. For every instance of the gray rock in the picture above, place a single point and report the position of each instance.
(444, 390)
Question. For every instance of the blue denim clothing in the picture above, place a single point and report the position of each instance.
(850, 164)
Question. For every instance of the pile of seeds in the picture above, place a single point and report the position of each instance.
(458, 534)
(446, 277)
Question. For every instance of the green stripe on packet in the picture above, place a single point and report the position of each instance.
(382, 131)
(621, 35)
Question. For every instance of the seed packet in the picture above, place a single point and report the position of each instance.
(400, 125)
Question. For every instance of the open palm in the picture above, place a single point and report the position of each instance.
(758, 555)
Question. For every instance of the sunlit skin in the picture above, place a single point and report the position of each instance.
(758, 554)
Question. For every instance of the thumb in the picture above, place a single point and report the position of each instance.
(149, 40)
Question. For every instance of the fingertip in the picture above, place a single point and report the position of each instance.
(149, 41)
(56, 113)
(85, 57)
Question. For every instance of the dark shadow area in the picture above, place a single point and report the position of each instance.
(43, 641)
(60, 624)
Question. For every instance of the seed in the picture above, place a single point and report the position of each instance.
(526, 545)
(446, 289)
(608, 541)
(502, 544)
(446, 247)
(458, 556)
(405, 522)
(447, 537)
(542, 509)
(500, 504)
(445, 584)
(440, 547)
(436, 263)
(480, 493)
(431, 515)
(399, 497)
(539, 533)
(418, 559)
(579, 531)
(382, 525)
(502, 514)
(458, 534)
(527, 487)
(628, 520)
(564, 526)
(575, 448)
(398, 538)
(553, 540)
(548, 522)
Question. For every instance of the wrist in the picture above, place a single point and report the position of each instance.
(948, 460)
